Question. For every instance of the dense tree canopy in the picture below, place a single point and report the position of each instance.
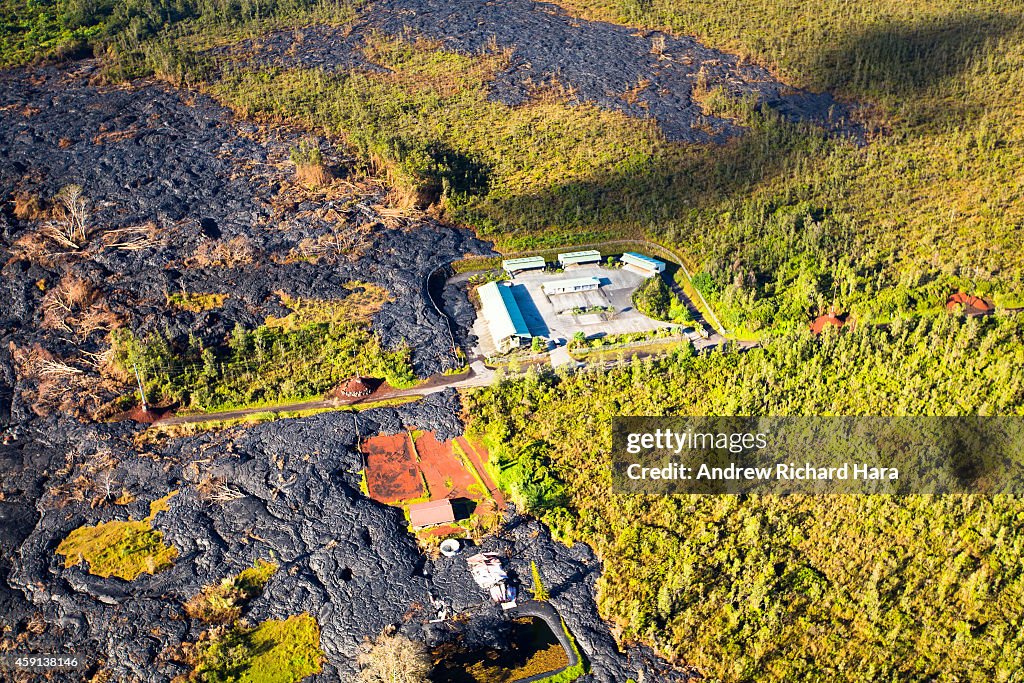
(860, 588)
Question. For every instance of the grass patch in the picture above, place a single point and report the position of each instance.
(222, 603)
(570, 673)
(360, 305)
(476, 263)
(195, 302)
(276, 651)
(124, 549)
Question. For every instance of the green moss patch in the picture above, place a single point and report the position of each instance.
(274, 652)
(195, 302)
(123, 549)
(359, 306)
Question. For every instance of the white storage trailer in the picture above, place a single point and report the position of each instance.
(575, 284)
(518, 265)
(644, 265)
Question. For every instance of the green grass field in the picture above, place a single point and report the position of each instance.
(124, 549)
(275, 651)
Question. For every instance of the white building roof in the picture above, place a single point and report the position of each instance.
(644, 261)
(571, 284)
(577, 256)
(523, 263)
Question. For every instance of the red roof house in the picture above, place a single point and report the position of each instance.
(822, 321)
(972, 306)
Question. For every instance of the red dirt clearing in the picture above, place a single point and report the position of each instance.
(446, 475)
(392, 475)
(396, 469)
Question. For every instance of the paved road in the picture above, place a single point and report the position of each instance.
(479, 376)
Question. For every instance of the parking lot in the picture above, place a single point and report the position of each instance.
(617, 286)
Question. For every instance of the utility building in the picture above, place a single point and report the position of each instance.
(422, 515)
(644, 265)
(504, 319)
(579, 258)
(575, 284)
(518, 265)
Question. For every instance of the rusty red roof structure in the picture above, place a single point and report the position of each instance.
(971, 305)
(822, 321)
(356, 386)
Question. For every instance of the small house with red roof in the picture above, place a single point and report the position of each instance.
(830, 319)
(971, 306)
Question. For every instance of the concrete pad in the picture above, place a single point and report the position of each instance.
(485, 346)
(560, 356)
(570, 300)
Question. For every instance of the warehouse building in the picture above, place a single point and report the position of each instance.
(575, 284)
(579, 258)
(643, 265)
(503, 317)
(518, 265)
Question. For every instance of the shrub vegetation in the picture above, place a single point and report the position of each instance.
(853, 588)
(312, 349)
(394, 658)
(222, 603)
(196, 302)
(276, 651)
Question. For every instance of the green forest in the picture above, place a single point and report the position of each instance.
(318, 345)
(853, 588)
(777, 226)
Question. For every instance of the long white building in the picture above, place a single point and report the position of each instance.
(644, 265)
(504, 319)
